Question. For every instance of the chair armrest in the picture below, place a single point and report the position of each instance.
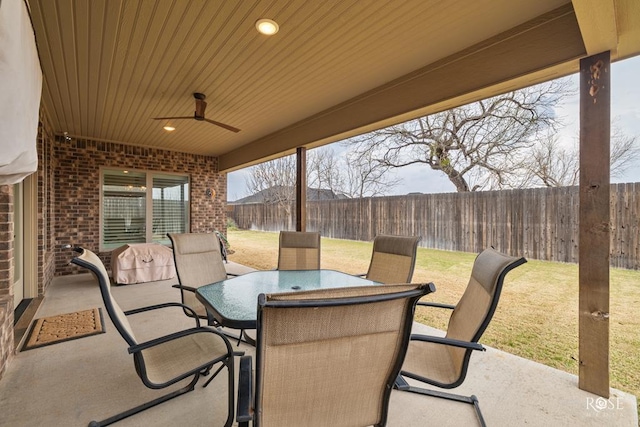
(165, 305)
(448, 341)
(436, 304)
(184, 288)
(245, 392)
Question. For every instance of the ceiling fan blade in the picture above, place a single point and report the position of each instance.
(172, 118)
(222, 125)
(201, 106)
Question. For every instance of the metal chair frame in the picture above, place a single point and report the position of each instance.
(472, 345)
(136, 348)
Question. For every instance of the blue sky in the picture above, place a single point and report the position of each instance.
(625, 108)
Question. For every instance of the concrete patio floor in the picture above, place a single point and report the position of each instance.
(92, 378)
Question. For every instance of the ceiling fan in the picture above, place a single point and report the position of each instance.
(201, 105)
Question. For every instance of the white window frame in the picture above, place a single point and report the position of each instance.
(149, 175)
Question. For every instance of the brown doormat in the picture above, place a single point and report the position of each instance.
(64, 327)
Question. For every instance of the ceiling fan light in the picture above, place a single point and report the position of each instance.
(267, 27)
(169, 128)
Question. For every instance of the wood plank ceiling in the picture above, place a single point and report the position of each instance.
(335, 69)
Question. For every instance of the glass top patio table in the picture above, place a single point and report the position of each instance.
(234, 302)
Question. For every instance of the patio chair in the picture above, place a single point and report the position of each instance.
(164, 360)
(393, 259)
(327, 357)
(443, 362)
(198, 262)
(299, 250)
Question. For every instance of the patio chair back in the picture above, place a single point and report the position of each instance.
(393, 259)
(198, 262)
(477, 305)
(330, 357)
(299, 250)
(93, 263)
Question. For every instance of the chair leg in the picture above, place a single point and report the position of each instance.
(189, 387)
(248, 339)
(245, 392)
(232, 395)
(230, 375)
(476, 405)
(213, 376)
(242, 337)
(402, 385)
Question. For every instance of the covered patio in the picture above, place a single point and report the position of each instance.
(335, 69)
(74, 382)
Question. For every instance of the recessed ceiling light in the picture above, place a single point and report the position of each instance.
(169, 128)
(267, 27)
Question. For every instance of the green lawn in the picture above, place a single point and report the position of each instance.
(537, 317)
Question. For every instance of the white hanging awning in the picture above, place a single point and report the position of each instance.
(20, 90)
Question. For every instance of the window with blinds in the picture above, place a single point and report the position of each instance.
(142, 207)
(170, 206)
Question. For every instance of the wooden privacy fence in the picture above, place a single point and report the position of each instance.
(539, 223)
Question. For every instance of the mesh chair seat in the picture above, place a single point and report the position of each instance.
(431, 360)
(170, 359)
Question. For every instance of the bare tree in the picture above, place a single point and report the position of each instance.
(624, 151)
(275, 181)
(367, 178)
(325, 170)
(347, 174)
(342, 174)
(478, 146)
(552, 165)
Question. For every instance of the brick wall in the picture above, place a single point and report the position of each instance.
(69, 206)
(46, 238)
(46, 218)
(76, 190)
(6, 276)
